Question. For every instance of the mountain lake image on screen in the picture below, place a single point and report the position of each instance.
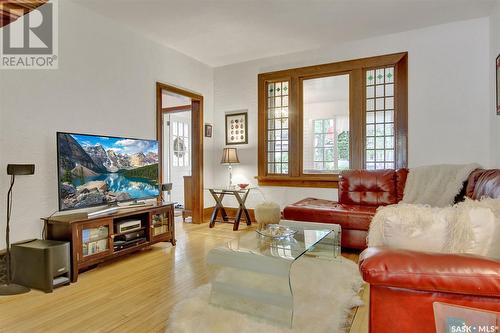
(98, 170)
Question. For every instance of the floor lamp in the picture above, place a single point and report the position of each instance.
(13, 170)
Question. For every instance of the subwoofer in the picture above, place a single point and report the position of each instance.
(41, 264)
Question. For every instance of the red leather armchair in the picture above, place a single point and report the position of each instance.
(361, 192)
(405, 284)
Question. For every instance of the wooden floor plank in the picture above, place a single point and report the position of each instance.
(133, 294)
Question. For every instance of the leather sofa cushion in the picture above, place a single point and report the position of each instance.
(436, 272)
(372, 188)
(318, 210)
(483, 183)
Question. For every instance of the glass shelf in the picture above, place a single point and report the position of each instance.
(159, 224)
(95, 240)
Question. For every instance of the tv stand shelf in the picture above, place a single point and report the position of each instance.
(92, 238)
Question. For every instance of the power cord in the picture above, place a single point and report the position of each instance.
(44, 229)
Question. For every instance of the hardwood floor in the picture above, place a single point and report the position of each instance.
(134, 294)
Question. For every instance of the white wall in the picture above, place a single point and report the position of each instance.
(449, 90)
(105, 84)
(495, 51)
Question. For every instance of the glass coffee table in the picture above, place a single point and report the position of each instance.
(251, 274)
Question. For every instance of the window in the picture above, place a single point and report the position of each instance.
(326, 124)
(330, 149)
(380, 143)
(180, 134)
(277, 127)
(316, 121)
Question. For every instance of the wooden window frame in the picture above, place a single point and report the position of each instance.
(357, 117)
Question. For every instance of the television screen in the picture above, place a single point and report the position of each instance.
(96, 170)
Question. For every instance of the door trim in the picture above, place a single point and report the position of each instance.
(197, 142)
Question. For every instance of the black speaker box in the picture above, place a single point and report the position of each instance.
(41, 264)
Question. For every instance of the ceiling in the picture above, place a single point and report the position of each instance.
(221, 32)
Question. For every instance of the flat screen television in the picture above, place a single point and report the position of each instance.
(96, 170)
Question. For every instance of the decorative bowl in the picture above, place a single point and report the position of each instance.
(276, 231)
(243, 186)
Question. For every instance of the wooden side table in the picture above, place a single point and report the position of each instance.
(240, 195)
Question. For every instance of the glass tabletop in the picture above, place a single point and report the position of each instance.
(288, 249)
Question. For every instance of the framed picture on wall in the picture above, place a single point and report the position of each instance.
(208, 130)
(498, 85)
(236, 128)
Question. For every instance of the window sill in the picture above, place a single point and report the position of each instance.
(331, 181)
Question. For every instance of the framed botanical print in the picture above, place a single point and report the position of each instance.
(236, 128)
(498, 85)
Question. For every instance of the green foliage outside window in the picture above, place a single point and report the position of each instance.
(343, 145)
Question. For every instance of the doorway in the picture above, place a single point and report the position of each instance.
(180, 137)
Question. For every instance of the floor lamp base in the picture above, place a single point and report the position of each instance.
(12, 289)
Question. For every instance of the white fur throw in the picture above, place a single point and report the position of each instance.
(468, 227)
(436, 185)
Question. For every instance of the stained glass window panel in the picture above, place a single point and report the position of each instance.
(277, 127)
(380, 131)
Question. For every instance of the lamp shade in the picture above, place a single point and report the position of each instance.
(229, 156)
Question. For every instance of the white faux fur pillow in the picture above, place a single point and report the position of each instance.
(484, 218)
(472, 229)
(411, 227)
(468, 227)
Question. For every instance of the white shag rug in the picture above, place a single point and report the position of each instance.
(324, 294)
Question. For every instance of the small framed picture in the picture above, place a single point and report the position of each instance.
(498, 85)
(208, 130)
(237, 128)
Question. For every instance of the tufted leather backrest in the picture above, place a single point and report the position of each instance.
(483, 183)
(371, 188)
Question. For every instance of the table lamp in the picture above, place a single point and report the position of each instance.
(10, 288)
(230, 157)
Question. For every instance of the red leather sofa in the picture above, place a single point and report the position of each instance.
(405, 284)
(361, 192)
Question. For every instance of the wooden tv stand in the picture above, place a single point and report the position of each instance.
(93, 239)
